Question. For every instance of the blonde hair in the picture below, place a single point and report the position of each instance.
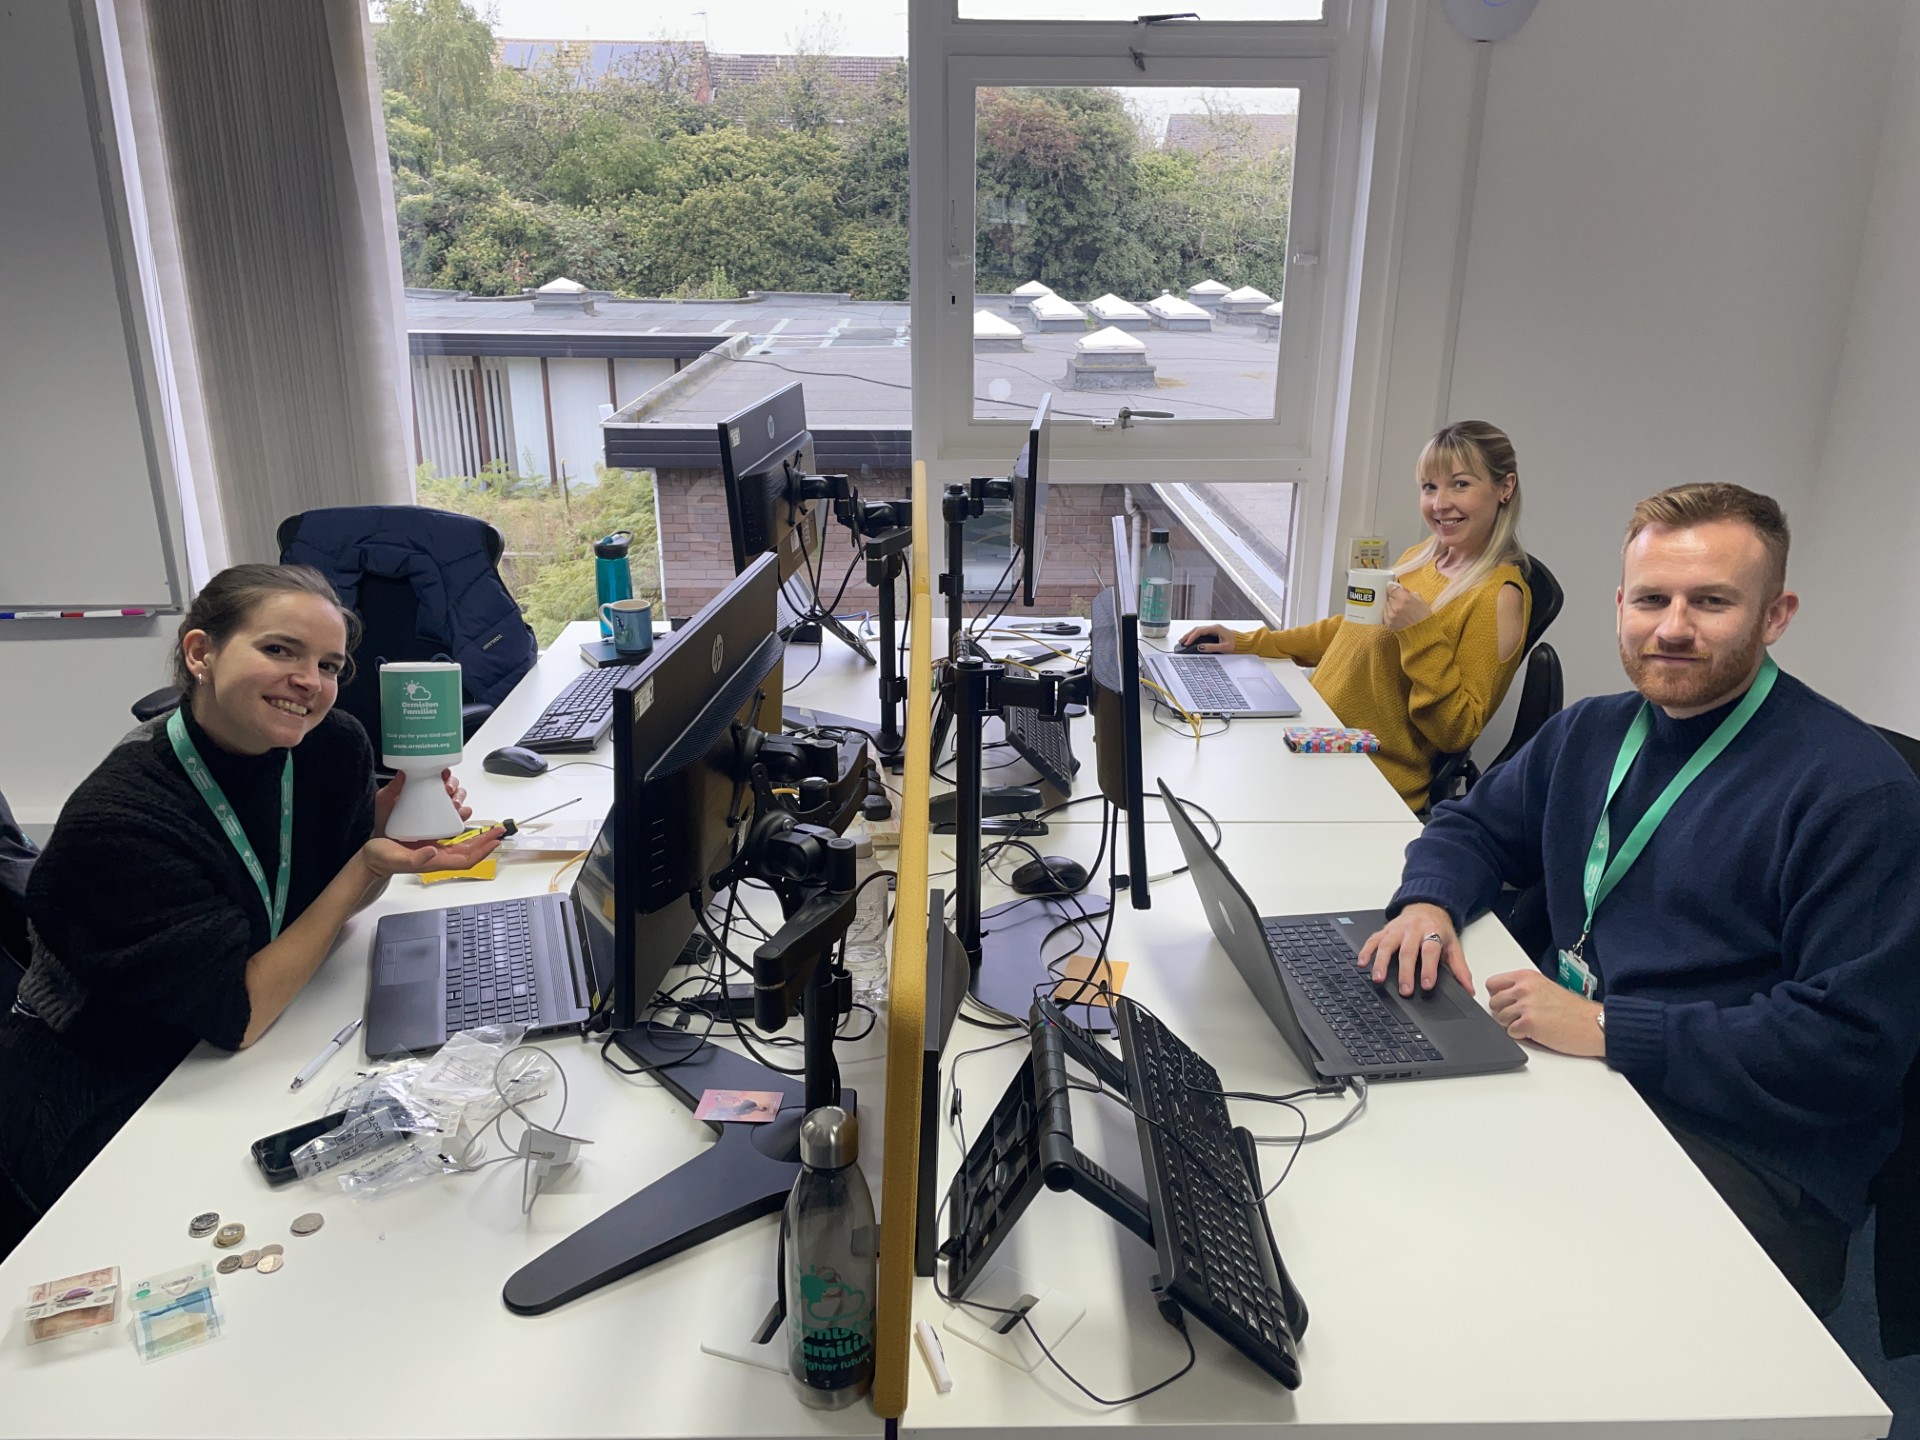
(1485, 450)
(1682, 507)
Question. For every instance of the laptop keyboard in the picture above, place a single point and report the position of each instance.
(1322, 964)
(490, 966)
(1208, 683)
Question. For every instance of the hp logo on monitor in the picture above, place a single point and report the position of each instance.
(719, 652)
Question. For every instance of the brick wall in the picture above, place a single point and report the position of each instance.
(698, 556)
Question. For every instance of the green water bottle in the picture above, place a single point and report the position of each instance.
(1156, 587)
(612, 575)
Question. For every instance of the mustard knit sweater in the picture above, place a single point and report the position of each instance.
(1426, 690)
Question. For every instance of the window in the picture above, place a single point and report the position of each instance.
(1138, 219)
(583, 221)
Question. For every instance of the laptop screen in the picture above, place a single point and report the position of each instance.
(1236, 924)
(593, 904)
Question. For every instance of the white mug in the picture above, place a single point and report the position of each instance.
(1367, 596)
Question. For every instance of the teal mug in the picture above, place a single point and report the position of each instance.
(631, 624)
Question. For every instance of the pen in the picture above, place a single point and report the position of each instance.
(332, 1048)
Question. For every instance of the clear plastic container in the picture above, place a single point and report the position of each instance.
(867, 959)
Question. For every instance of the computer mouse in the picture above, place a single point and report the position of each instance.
(1193, 649)
(1053, 875)
(514, 760)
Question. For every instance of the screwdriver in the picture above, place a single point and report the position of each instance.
(512, 827)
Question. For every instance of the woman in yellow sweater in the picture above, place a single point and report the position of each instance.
(1427, 680)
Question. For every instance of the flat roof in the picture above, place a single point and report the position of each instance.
(853, 357)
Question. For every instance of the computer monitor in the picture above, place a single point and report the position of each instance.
(1029, 496)
(1115, 671)
(764, 449)
(677, 798)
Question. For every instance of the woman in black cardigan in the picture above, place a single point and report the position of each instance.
(197, 879)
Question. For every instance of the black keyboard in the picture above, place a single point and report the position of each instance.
(1208, 683)
(580, 715)
(1043, 743)
(1217, 1254)
(1322, 964)
(490, 973)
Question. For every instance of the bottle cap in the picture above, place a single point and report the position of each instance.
(614, 546)
(1159, 537)
(829, 1138)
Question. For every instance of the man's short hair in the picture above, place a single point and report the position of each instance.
(1684, 506)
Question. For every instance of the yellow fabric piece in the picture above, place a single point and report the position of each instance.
(1426, 690)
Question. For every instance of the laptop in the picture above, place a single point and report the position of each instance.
(1237, 687)
(542, 961)
(1338, 1022)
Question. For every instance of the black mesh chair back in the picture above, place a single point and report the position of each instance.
(1543, 691)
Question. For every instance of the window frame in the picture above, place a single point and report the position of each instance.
(951, 58)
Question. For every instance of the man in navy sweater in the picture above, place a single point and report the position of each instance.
(1754, 970)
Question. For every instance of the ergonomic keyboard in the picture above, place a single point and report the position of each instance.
(1043, 743)
(1217, 1254)
(580, 715)
(1208, 682)
(1321, 962)
(494, 979)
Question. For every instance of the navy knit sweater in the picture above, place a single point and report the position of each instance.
(1760, 962)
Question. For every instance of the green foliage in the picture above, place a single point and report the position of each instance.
(633, 183)
(549, 531)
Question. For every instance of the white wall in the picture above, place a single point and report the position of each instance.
(1669, 216)
(1858, 633)
(65, 685)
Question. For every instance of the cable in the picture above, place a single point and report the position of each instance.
(565, 764)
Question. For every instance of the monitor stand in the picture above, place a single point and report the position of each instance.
(745, 1174)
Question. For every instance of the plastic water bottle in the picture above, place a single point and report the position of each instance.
(867, 959)
(1156, 586)
(832, 1272)
(612, 574)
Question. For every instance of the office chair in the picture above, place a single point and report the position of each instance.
(17, 854)
(1454, 773)
(426, 585)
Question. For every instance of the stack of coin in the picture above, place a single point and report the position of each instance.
(271, 1263)
(267, 1250)
(229, 1236)
(228, 1264)
(250, 1259)
(201, 1226)
(308, 1223)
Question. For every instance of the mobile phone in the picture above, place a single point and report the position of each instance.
(274, 1153)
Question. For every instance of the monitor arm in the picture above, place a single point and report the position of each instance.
(810, 778)
(886, 530)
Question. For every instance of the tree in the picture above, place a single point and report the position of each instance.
(439, 54)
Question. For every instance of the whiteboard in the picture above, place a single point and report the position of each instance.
(83, 513)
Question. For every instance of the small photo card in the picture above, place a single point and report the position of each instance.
(749, 1107)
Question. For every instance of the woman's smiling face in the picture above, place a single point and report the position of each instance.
(274, 677)
(1460, 502)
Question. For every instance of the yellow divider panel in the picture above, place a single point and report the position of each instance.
(900, 1176)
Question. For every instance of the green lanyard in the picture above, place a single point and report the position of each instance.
(1601, 877)
(216, 799)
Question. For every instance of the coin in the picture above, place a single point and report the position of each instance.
(266, 1250)
(250, 1259)
(201, 1226)
(230, 1236)
(308, 1223)
(228, 1264)
(270, 1263)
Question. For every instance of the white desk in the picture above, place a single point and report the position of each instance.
(1239, 772)
(1509, 1254)
(1460, 1221)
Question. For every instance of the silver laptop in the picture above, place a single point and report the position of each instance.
(543, 961)
(1235, 686)
(1301, 968)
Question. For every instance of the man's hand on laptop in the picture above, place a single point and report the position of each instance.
(1208, 639)
(1534, 1007)
(1421, 939)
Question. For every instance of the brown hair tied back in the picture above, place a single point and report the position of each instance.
(225, 602)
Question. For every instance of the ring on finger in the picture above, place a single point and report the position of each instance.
(1434, 935)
